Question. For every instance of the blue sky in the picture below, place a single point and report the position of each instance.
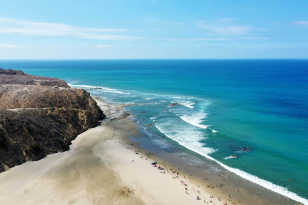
(130, 29)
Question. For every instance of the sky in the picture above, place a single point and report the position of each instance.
(153, 29)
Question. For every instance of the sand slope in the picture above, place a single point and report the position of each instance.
(99, 169)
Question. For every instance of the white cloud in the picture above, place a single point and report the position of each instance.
(228, 27)
(194, 39)
(305, 23)
(103, 46)
(224, 28)
(209, 39)
(31, 28)
(8, 46)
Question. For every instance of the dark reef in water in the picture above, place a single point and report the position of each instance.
(40, 116)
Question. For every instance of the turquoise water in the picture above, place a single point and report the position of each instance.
(251, 115)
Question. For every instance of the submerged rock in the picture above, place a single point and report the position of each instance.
(173, 104)
(40, 116)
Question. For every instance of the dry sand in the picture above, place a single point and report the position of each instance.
(104, 167)
(100, 168)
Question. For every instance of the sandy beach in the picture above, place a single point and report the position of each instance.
(100, 168)
(117, 102)
(104, 167)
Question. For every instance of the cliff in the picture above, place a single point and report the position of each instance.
(40, 116)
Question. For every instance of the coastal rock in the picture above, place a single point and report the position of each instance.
(173, 104)
(20, 78)
(40, 116)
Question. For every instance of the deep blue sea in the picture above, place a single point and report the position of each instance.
(251, 116)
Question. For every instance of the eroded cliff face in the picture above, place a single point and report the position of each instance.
(40, 116)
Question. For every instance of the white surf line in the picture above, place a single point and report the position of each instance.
(105, 89)
(187, 104)
(195, 119)
(194, 122)
(266, 184)
(254, 179)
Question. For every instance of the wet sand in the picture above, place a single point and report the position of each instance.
(104, 166)
(100, 168)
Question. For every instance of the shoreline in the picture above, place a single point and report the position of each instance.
(100, 168)
(272, 196)
(106, 166)
(266, 184)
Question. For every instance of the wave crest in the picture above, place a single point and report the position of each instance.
(104, 89)
(195, 120)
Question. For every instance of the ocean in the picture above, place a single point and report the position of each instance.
(250, 116)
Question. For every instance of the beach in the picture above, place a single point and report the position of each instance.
(250, 132)
(103, 166)
(154, 102)
(100, 168)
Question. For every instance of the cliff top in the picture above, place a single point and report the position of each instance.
(40, 116)
(18, 77)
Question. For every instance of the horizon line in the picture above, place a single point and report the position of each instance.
(110, 59)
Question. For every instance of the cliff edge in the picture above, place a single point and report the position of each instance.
(40, 116)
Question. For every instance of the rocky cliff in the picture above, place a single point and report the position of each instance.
(40, 116)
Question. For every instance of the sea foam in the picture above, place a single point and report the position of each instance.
(104, 89)
(191, 141)
(230, 157)
(180, 136)
(187, 104)
(195, 119)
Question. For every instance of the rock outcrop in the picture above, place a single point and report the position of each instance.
(40, 116)
(20, 78)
